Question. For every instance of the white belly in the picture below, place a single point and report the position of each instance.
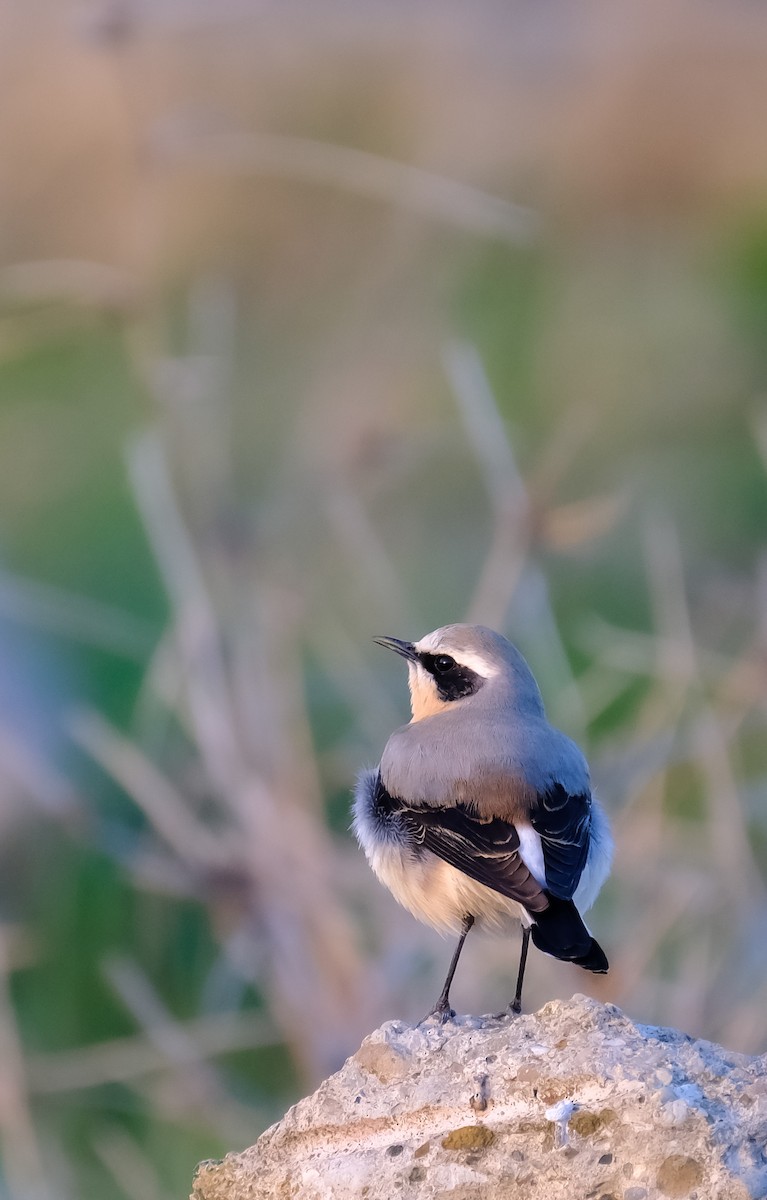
(441, 896)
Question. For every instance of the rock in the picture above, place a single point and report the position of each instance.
(575, 1102)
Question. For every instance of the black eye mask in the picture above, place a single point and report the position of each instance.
(453, 680)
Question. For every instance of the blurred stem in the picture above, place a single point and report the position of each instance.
(308, 161)
(506, 558)
(22, 1159)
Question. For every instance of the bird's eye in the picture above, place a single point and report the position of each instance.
(443, 663)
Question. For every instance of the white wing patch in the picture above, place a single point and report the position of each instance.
(531, 851)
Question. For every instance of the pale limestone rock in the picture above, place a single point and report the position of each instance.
(575, 1102)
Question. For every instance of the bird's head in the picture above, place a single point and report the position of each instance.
(459, 662)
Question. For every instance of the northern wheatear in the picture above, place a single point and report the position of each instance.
(480, 812)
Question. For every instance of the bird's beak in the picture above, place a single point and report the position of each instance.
(406, 649)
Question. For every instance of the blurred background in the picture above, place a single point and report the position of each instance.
(321, 321)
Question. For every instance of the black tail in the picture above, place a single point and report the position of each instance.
(560, 931)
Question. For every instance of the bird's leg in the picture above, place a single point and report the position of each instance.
(442, 1008)
(516, 1004)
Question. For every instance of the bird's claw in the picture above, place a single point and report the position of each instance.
(441, 1014)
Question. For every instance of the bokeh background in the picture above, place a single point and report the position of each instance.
(320, 321)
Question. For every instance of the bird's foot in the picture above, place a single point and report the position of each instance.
(440, 1014)
(513, 1010)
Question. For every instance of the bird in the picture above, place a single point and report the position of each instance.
(480, 813)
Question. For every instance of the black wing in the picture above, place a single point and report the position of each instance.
(563, 823)
(487, 851)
